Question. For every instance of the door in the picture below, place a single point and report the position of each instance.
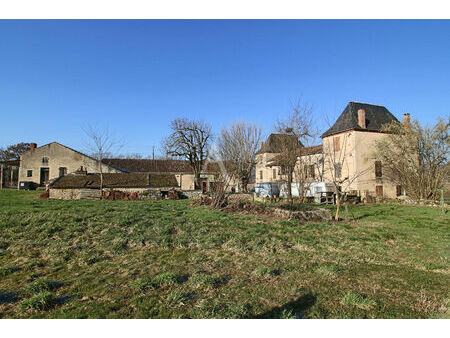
(204, 185)
(45, 174)
(379, 190)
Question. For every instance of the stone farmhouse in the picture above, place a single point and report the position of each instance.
(48, 164)
(346, 152)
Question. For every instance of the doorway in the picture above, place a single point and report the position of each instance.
(45, 174)
(379, 191)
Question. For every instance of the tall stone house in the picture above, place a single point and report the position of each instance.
(346, 153)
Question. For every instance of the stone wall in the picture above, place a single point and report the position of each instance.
(74, 194)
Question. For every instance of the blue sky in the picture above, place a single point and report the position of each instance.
(136, 75)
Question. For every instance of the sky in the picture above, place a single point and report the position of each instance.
(134, 76)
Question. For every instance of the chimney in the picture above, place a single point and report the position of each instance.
(407, 120)
(362, 118)
(33, 146)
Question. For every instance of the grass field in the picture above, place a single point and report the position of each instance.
(121, 259)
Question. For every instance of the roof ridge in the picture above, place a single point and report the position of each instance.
(369, 104)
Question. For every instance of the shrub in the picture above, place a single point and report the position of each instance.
(38, 302)
(356, 300)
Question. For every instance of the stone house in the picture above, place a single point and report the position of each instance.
(40, 165)
(346, 152)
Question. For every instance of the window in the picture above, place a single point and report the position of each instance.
(378, 169)
(260, 175)
(29, 173)
(336, 143)
(311, 172)
(338, 170)
(274, 174)
(45, 160)
(62, 171)
(398, 190)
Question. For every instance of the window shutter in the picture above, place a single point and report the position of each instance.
(378, 169)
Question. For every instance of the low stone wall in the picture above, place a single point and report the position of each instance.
(194, 194)
(74, 194)
(318, 214)
(240, 197)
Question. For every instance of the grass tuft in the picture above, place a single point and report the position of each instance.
(358, 301)
(39, 302)
(264, 270)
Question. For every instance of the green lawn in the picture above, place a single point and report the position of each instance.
(123, 259)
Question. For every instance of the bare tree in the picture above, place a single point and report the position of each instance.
(13, 151)
(237, 146)
(190, 140)
(337, 153)
(309, 168)
(295, 129)
(416, 157)
(101, 145)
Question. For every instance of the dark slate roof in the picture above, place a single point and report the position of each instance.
(311, 150)
(156, 166)
(274, 143)
(376, 116)
(116, 180)
(301, 152)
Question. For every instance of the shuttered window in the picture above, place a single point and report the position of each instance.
(261, 175)
(274, 174)
(337, 143)
(378, 169)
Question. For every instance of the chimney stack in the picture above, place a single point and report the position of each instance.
(33, 146)
(407, 120)
(362, 118)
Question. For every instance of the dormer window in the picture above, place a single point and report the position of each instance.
(45, 160)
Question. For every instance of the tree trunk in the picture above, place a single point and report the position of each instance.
(244, 183)
(338, 204)
(101, 180)
(196, 180)
(289, 186)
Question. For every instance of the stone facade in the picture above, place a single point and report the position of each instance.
(348, 151)
(54, 159)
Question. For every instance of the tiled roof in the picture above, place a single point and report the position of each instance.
(275, 143)
(156, 166)
(116, 180)
(376, 117)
